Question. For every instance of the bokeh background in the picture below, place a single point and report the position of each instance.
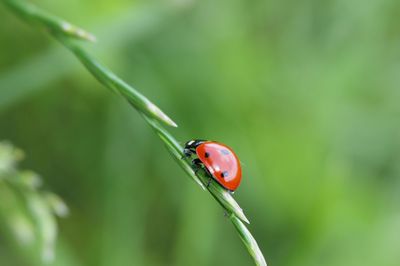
(306, 92)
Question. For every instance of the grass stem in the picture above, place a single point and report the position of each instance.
(67, 34)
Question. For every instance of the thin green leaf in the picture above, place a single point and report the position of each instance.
(52, 23)
(249, 241)
(153, 115)
(111, 81)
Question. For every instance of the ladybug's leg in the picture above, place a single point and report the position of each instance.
(197, 164)
(186, 153)
(209, 177)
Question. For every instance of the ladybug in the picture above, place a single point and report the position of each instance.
(218, 160)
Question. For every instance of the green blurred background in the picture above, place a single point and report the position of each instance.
(306, 92)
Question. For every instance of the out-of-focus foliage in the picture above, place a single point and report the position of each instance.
(306, 92)
(27, 214)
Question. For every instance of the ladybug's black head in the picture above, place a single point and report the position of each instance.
(193, 143)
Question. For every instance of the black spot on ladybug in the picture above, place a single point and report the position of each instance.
(207, 155)
(224, 152)
(224, 174)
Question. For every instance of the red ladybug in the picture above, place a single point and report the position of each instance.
(218, 160)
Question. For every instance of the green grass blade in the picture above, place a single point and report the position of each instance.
(52, 23)
(154, 116)
(249, 241)
(111, 81)
(133, 23)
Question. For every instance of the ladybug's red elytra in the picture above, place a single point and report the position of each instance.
(218, 160)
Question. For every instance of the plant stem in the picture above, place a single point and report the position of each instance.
(151, 113)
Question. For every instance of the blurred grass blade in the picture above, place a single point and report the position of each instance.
(45, 223)
(14, 217)
(52, 23)
(26, 209)
(9, 157)
(57, 205)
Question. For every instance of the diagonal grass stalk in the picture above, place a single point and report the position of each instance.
(67, 34)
